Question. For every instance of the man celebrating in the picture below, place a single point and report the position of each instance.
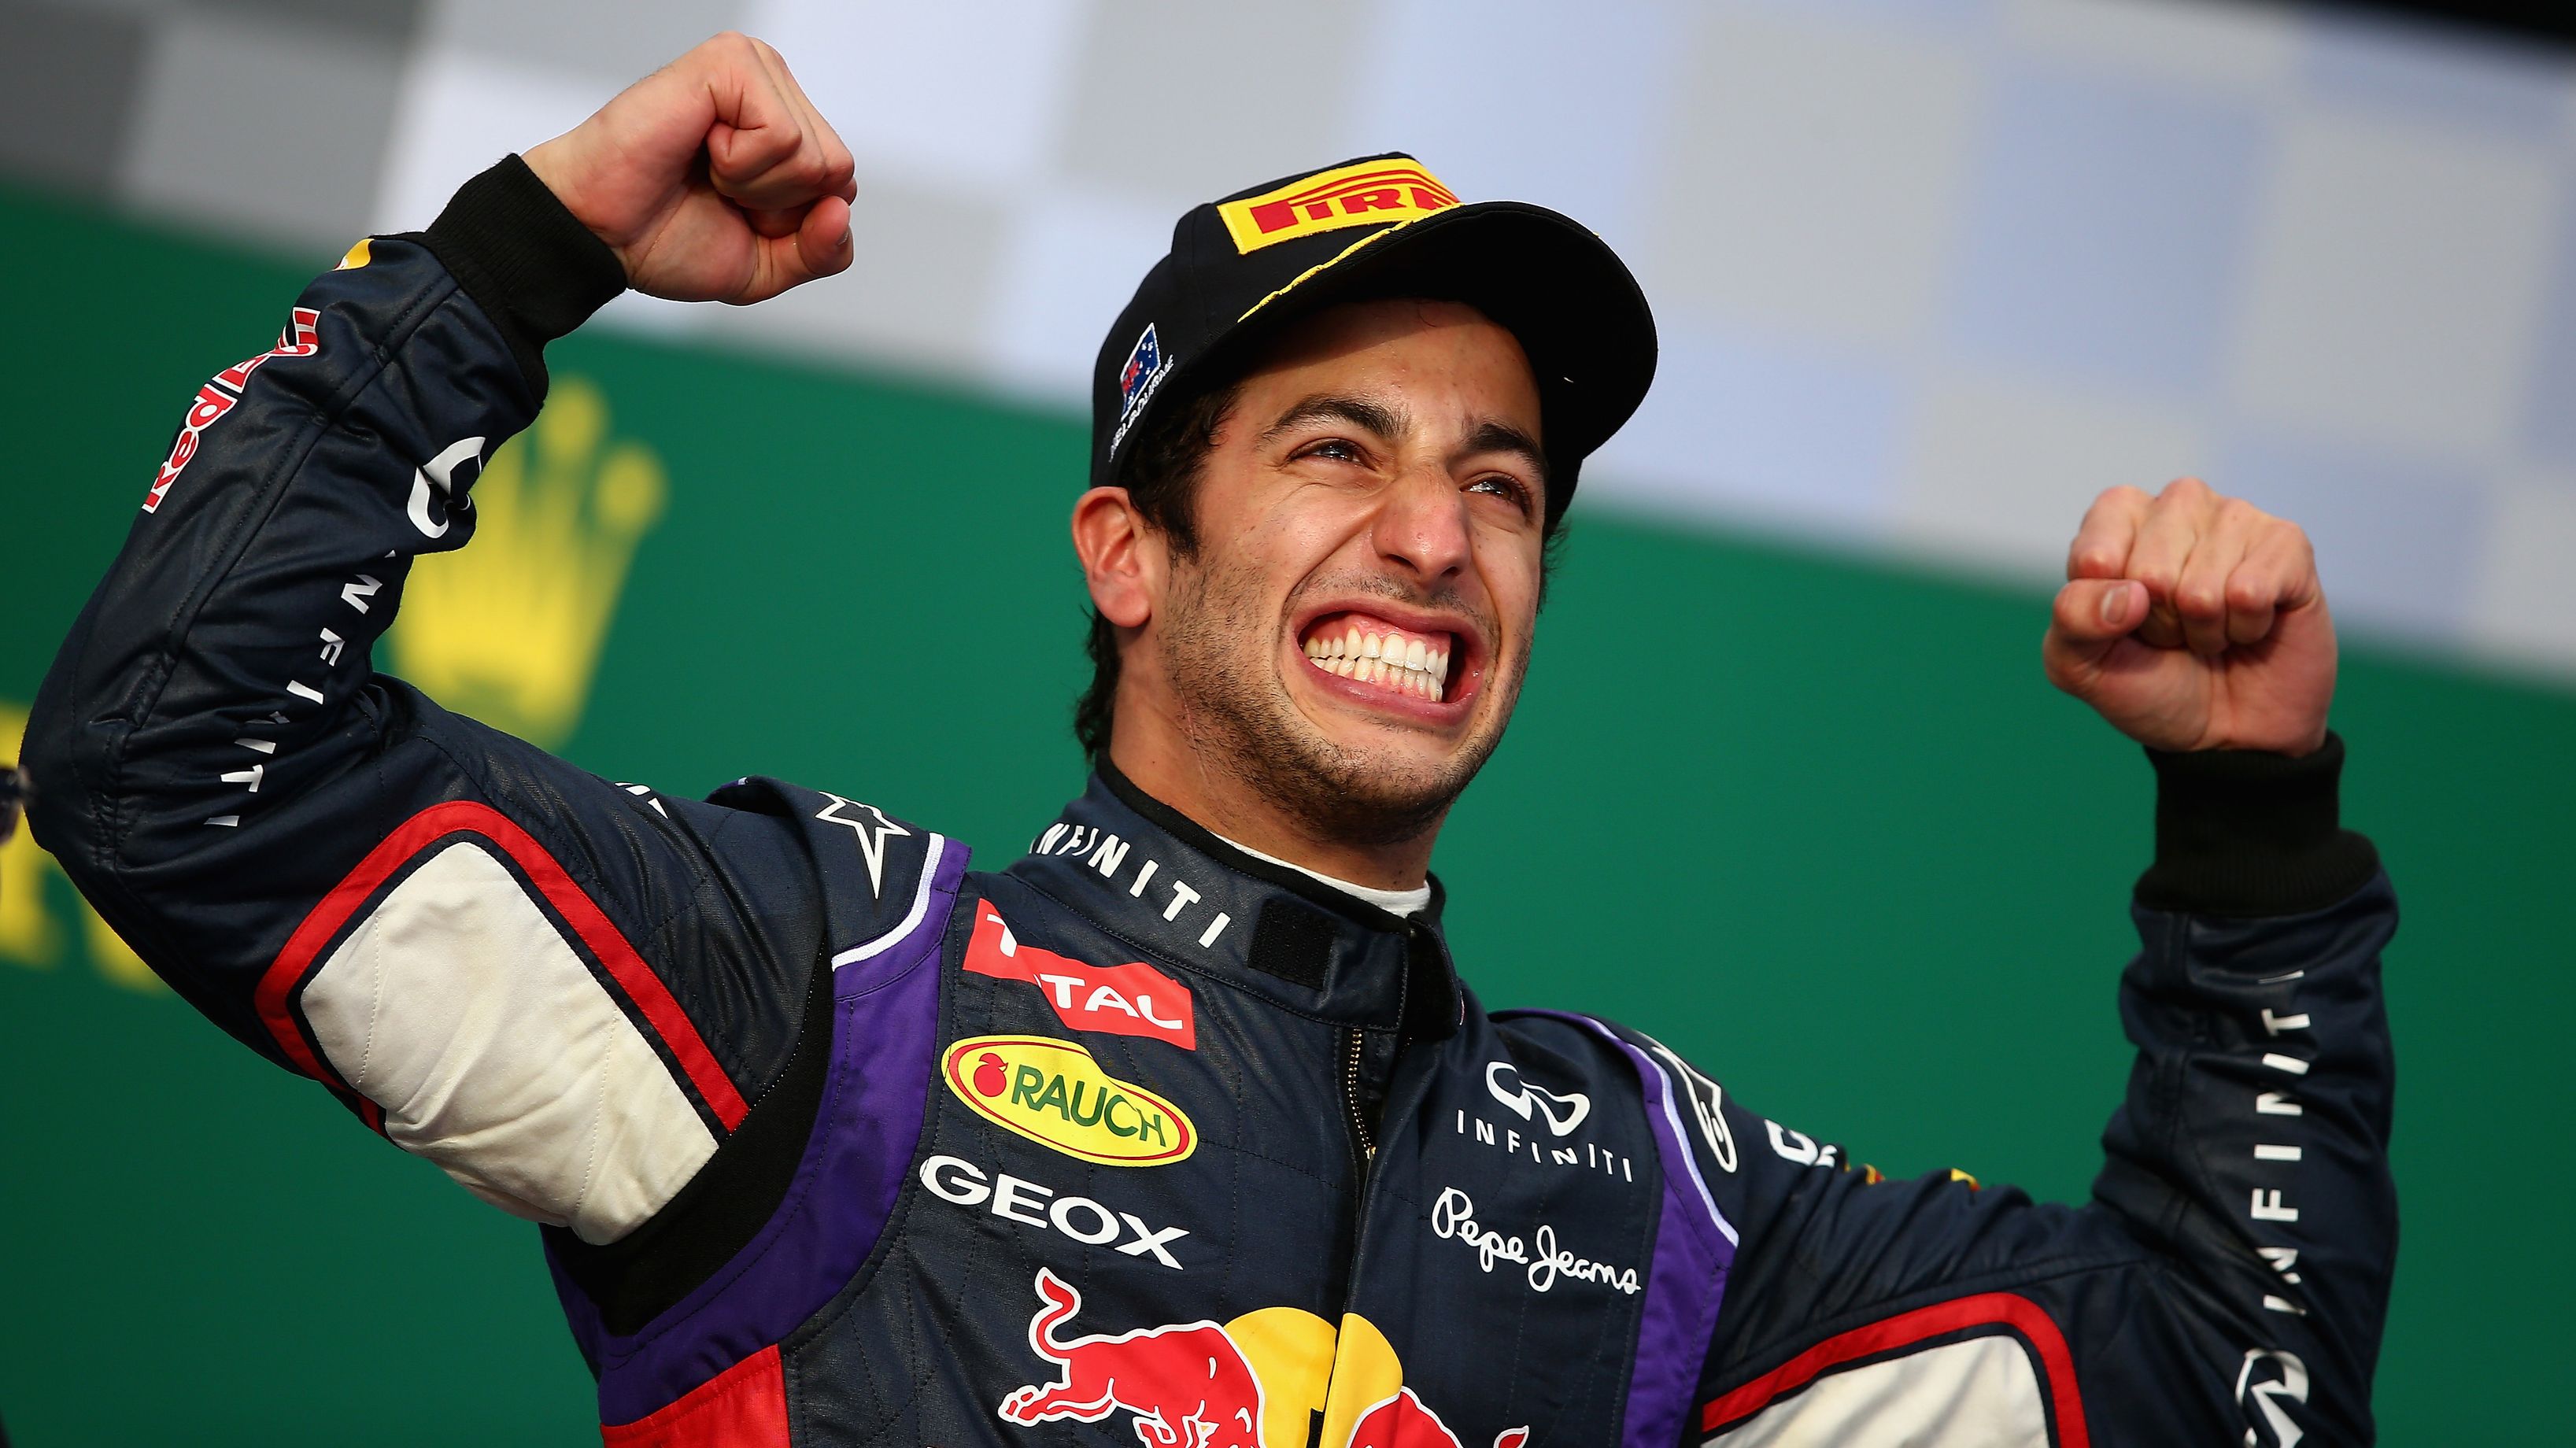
(1183, 1124)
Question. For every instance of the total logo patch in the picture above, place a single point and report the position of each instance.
(1133, 999)
(1055, 1094)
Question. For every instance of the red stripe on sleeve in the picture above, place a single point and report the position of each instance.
(745, 1406)
(275, 996)
(1986, 1308)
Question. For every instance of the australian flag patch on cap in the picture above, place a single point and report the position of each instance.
(1137, 381)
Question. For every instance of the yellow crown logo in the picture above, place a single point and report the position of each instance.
(508, 630)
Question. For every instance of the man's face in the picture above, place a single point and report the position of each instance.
(1351, 633)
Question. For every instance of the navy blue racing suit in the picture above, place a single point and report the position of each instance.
(837, 1140)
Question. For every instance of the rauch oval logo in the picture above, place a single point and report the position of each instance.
(1055, 1094)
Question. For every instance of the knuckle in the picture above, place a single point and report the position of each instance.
(2185, 486)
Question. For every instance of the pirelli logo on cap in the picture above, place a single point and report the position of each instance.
(1371, 193)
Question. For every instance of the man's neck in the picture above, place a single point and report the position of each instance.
(1393, 902)
(1219, 802)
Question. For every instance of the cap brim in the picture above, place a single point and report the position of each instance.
(1579, 315)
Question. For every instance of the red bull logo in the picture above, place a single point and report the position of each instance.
(302, 338)
(1254, 1382)
(1187, 1385)
(1402, 1422)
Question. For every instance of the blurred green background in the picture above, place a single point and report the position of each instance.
(1822, 825)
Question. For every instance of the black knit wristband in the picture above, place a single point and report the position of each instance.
(2243, 834)
(525, 260)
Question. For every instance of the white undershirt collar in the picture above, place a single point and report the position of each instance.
(1393, 902)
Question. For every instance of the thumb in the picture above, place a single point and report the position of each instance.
(791, 250)
(2099, 612)
(2091, 615)
(823, 241)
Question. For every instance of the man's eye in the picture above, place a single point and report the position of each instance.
(1334, 448)
(1508, 489)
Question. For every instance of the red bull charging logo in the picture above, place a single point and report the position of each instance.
(1248, 1383)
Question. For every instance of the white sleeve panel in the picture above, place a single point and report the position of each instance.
(459, 1008)
(1980, 1393)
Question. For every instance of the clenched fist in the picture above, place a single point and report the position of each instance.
(2195, 621)
(713, 179)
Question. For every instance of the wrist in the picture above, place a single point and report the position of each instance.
(525, 259)
(2248, 833)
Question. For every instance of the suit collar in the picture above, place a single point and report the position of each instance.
(1154, 878)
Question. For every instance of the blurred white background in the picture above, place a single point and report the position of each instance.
(1930, 273)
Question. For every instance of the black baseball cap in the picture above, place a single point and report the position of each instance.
(1243, 268)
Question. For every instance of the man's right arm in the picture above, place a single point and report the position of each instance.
(566, 994)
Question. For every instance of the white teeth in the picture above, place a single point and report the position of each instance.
(1415, 666)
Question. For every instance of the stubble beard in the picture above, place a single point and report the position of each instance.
(1218, 660)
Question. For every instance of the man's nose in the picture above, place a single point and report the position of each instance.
(1423, 524)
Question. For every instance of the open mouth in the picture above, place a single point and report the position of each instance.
(1369, 650)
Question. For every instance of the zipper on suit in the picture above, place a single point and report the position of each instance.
(1361, 1136)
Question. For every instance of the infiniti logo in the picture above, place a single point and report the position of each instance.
(2264, 1396)
(1563, 1113)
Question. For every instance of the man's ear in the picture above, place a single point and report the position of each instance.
(1124, 559)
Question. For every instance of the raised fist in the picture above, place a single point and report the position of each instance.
(713, 178)
(2195, 621)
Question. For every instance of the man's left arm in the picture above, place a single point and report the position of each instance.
(2229, 1280)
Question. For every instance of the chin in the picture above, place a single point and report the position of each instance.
(1368, 783)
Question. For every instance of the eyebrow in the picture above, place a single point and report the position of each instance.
(1502, 437)
(1359, 412)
